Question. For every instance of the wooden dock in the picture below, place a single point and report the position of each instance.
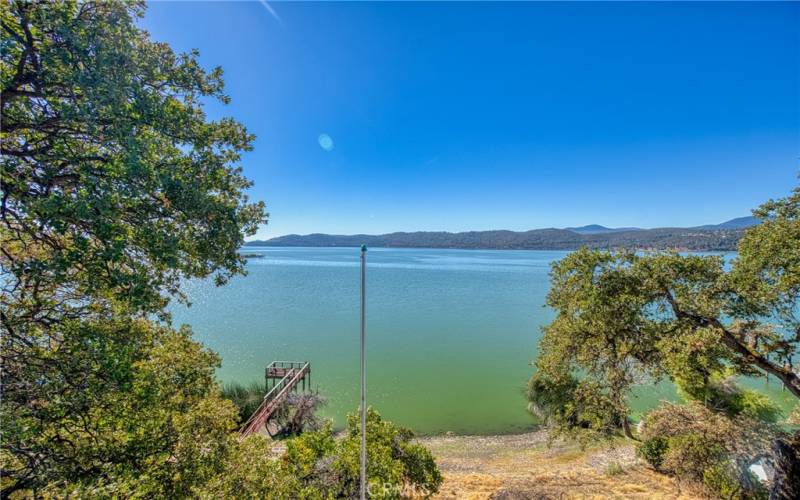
(282, 378)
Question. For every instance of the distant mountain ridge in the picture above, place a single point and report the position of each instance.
(717, 237)
(737, 223)
(598, 229)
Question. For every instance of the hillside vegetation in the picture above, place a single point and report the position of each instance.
(693, 239)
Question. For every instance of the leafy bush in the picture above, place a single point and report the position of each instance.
(652, 451)
(318, 465)
(697, 444)
(573, 408)
(395, 465)
(253, 470)
(794, 416)
(690, 455)
(723, 479)
(755, 405)
(151, 420)
(295, 415)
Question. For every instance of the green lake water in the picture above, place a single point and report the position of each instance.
(450, 333)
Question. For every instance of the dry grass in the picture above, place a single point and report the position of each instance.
(524, 467)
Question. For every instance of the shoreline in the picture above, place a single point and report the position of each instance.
(529, 465)
(472, 249)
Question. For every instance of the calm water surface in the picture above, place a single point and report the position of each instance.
(451, 333)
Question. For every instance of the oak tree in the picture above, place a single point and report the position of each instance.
(626, 317)
(116, 187)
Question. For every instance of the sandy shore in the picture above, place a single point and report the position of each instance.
(522, 466)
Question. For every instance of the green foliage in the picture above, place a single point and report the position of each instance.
(576, 408)
(766, 274)
(132, 407)
(653, 450)
(721, 393)
(625, 319)
(246, 398)
(690, 455)
(318, 465)
(755, 405)
(711, 448)
(794, 416)
(253, 470)
(394, 463)
(722, 480)
(116, 188)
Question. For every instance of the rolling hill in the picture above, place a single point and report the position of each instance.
(719, 237)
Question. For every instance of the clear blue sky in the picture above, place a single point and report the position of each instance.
(472, 116)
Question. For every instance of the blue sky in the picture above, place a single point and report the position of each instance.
(380, 117)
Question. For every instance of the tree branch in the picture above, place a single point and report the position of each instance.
(788, 377)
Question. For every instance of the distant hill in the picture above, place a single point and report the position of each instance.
(737, 223)
(720, 237)
(598, 229)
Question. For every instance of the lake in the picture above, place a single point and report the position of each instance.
(450, 333)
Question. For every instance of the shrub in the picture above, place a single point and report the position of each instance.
(318, 465)
(295, 415)
(573, 408)
(396, 467)
(652, 451)
(252, 470)
(723, 479)
(247, 398)
(794, 416)
(299, 414)
(696, 444)
(614, 469)
(689, 455)
(151, 423)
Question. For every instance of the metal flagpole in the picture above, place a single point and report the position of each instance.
(363, 377)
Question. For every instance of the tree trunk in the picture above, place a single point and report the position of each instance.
(626, 429)
(786, 481)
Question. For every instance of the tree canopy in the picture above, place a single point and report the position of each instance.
(115, 187)
(115, 183)
(624, 317)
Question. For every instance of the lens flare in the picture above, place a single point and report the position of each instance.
(325, 142)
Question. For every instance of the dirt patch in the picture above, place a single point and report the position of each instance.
(524, 466)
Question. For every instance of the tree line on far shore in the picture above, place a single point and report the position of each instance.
(703, 239)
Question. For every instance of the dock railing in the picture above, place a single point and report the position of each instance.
(291, 373)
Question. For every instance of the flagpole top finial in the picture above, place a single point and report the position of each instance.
(363, 248)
